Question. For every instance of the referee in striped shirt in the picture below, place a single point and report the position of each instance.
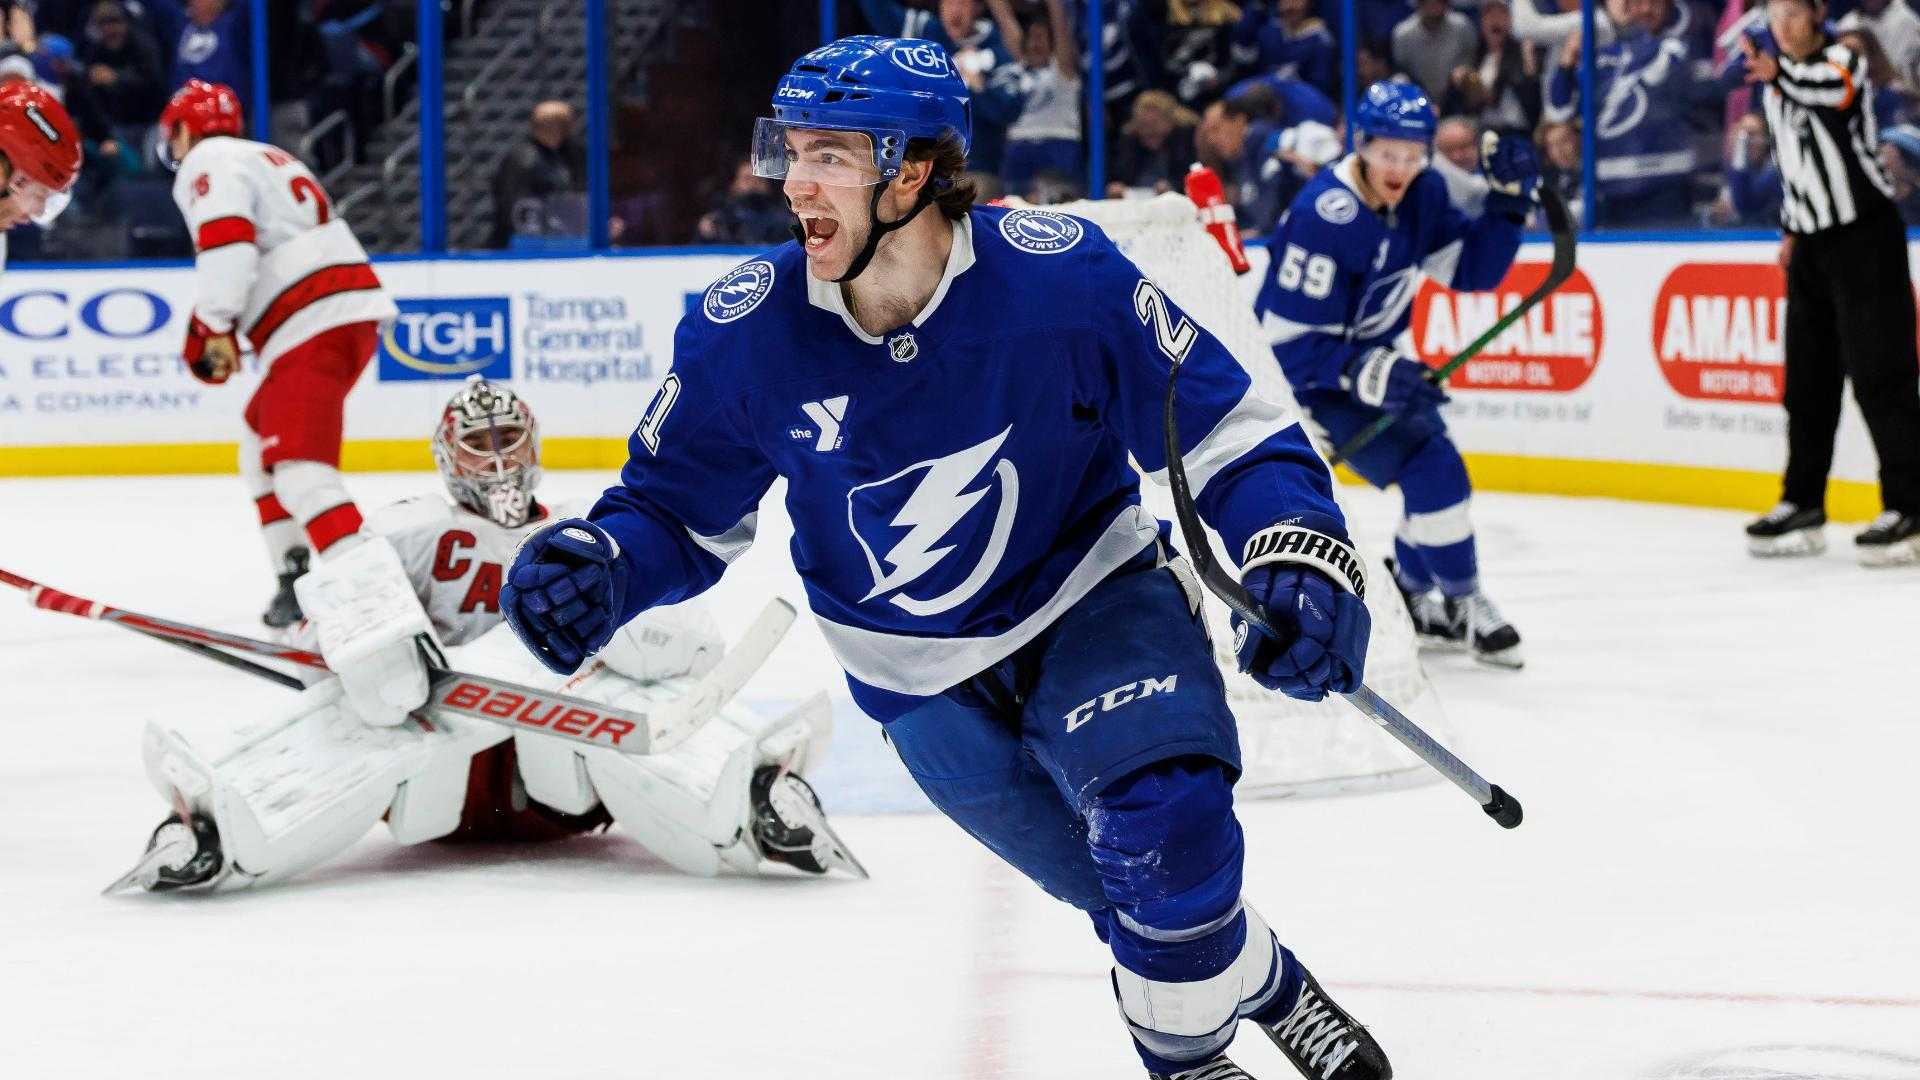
(1850, 310)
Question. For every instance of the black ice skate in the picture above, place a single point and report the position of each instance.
(180, 855)
(1432, 627)
(1786, 530)
(790, 827)
(1491, 637)
(284, 609)
(1323, 1042)
(1216, 1069)
(1892, 540)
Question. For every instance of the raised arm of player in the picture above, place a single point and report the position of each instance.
(686, 506)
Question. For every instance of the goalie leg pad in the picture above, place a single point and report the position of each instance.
(300, 787)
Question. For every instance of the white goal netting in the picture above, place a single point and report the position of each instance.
(1290, 747)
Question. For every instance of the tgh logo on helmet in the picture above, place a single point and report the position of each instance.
(925, 59)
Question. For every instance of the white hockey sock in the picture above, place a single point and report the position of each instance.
(313, 493)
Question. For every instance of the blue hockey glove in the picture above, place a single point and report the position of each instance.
(1292, 573)
(1386, 380)
(564, 592)
(1512, 174)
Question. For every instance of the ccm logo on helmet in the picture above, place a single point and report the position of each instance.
(926, 59)
(794, 92)
(46, 128)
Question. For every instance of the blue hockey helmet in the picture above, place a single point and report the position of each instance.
(1395, 110)
(892, 90)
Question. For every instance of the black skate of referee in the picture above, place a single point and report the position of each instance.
(1850, 311)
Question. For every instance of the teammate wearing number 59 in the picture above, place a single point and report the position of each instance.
(276, 267)
(1345, 265)
(952, 394)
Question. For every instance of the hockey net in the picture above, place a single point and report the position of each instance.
(1289, 748)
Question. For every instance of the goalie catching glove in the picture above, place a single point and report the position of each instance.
(1313, 588)
(212, 356)
(563, 592)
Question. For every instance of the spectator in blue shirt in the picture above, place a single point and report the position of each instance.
(213, 43)
(983, 53)
(1291, 42)
(1752, 192)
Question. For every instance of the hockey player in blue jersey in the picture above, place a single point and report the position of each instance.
(1344, 266)
(951, 393)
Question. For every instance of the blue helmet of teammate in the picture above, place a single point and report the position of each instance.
(1395, 110)
(891, 89)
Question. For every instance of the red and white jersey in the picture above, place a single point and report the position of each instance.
(273, 259)
(456, 560)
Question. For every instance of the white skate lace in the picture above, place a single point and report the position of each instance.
(1217, 1069)
(1779, 513)
(1481, 615)
(1887, 520)
(1315, 1032)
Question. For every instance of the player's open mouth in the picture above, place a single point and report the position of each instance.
(819, 231)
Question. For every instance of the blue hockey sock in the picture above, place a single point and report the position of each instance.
(1190, 957)
(1410, 566)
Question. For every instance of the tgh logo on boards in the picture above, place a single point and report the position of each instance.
(449, 338)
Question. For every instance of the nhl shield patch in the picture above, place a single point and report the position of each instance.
(902, 347)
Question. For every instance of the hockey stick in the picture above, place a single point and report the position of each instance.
(52, 599)
(1560, 225)
(1498, 805)
(482, 697)
(291, 682)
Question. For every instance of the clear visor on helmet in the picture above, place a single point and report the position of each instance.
(35, 201)
(829, 156)
(1402, 154)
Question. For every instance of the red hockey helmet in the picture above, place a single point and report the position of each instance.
(204, 109)
(37, 136)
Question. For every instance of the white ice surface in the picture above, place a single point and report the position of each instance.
(1716, 881)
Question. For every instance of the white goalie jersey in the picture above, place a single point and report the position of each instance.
(273, 261)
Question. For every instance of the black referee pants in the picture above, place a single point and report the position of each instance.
(1850, 315)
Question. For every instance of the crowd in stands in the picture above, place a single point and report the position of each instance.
(1250, 88)
(115, 63)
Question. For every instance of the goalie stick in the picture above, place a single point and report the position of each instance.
(1560, 226)
(481, 697)
(1498, 805)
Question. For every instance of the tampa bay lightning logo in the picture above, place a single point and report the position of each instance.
(934, 502)
(1042, 232)
(925, 59)
(1337, 206)
(739, 291)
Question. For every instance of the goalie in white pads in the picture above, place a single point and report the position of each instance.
(302, 786)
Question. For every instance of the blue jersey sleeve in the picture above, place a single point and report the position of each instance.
(688, 496)
(1464, 253)
(1247, 460)
(1310, 295)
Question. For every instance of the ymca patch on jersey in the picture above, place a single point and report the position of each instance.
(1337, 206)
(739, 291)
(1042, 232)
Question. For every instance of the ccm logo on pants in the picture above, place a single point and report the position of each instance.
(1118, 696)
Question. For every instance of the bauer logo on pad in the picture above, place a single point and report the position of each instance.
(449, 338)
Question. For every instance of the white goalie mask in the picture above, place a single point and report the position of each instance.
(488, 450)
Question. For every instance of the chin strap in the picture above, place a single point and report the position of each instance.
(879, 229)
